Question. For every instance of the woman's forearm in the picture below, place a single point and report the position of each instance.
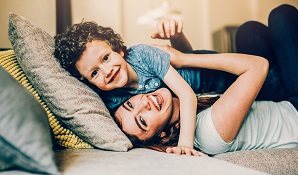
(230, 62)
(229, 111)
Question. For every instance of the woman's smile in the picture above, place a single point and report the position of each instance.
(157, 101)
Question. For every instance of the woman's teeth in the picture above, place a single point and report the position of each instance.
(155, 101)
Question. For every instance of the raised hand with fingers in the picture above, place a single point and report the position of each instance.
(171, 29)
(167, 28)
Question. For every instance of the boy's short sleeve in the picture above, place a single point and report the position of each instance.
(149, 60)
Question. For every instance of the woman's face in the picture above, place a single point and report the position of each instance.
(145, 115)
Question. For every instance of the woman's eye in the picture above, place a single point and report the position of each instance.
(94, 73)
(129, 104)
(105, 58)
(143, 121)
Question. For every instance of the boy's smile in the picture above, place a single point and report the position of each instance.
(104, 68)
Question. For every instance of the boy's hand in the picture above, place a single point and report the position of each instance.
(176, 56)
(184, 150)
(168, 28)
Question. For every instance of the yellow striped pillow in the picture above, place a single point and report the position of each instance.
(63, 136)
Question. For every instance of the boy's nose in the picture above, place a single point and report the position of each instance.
(106, 70)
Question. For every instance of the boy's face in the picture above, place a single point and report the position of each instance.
(103, 67)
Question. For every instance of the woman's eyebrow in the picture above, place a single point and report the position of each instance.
(125, 107)
(138, 124)
(136, 120)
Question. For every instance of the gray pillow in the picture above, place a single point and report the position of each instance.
(25, 135)
(74, 103)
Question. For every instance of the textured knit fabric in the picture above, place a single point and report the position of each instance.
(277, 161)
(25, 135)
(77, 106)
(141, 161)
(151, 65)
(63, 135)
(267, 125)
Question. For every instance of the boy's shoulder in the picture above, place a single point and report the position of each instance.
(144, 54)
(139, 51)
(140, 47)
(146, 50)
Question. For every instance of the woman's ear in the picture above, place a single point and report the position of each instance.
(162, 134)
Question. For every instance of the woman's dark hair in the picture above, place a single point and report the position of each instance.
(170, 135)
(71, 44)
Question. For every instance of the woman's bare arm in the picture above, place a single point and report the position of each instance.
(230, 110)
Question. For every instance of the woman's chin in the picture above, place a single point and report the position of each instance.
(166, 94)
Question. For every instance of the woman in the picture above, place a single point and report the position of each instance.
(228, 123)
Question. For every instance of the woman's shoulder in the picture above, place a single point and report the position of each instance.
(206, 137)
(140, 47)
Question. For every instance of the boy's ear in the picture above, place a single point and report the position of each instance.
(121, 53)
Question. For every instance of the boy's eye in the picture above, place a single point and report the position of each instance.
(129, 104)
(143, 121)
(94, 73)
(105, 58)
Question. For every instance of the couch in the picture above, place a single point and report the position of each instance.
(51, 123)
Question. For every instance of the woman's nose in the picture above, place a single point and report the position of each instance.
(144, 103)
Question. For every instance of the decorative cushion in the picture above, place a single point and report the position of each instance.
(25, 135)
(77, 106)
(63, 135)
(282, 161)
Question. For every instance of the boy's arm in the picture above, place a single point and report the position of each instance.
(172, 29)
(188, 105)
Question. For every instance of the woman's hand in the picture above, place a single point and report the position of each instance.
(184, 150)
(168, 28)
(176, 56)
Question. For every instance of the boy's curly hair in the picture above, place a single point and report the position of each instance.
(71, 44)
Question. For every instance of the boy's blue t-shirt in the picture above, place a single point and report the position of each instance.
(151, 65)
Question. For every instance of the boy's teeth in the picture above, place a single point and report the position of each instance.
(154, 101)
